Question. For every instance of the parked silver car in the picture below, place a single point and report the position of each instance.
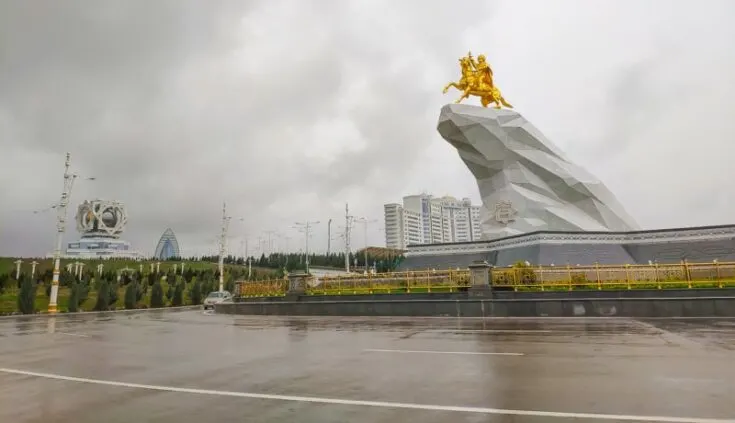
(216, 297)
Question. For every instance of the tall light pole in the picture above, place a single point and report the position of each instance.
(348, 225)
(365, 221)
(306, 228)
(270, 242)
(247, 251)
(250, 262)
(287, 250)
(222, 243)
(329, 237)
(60, 227)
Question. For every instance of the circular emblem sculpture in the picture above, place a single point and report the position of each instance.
(101, 218)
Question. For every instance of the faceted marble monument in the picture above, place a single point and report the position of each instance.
(525, 182)
(538, 206)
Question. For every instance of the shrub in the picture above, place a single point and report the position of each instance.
(157, 295)
(113, 294)
(103, 296)
(131, 296)
(83, 291)
(178, 297)
(74, 296)
(170, 290)
(27, 296)
(500, 277)
(66, 278)
(140, 291)
(579, 278)
(195, 293)
(524, 273)
(4, 279)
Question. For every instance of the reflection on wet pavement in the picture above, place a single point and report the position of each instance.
(150, 367)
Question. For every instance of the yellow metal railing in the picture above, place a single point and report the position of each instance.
(651, 276)
(266, 288)
(526, 278)
(391, 283)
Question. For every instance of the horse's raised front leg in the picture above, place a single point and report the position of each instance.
(449, 85)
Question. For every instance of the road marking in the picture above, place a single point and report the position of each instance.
(491, 330)
(73, 334)
(443, 352)
(29, 332)
(382, 404)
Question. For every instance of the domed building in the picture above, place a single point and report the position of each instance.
(167, 246)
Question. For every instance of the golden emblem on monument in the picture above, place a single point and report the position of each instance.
(477, 80)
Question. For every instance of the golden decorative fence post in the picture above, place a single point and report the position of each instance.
(569, 275)
(597, 273)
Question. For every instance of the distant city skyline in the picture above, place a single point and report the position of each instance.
(425, 219)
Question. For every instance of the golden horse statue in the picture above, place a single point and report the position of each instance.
(477, 80)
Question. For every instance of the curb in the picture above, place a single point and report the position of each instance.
(86, 313)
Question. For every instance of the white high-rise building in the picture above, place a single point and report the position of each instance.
(423, 219)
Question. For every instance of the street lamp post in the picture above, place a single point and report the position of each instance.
(222, 242)
(270, 242)
(245, 241)
(286, 250)
(60, 227)
(306, 228)
(247, 257)
(348, 226)
(329, 237)
(365, 222)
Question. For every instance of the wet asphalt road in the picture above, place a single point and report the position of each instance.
(190, 366)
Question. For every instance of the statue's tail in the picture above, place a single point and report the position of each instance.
(505, 103)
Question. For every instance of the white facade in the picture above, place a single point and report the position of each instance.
(423, 219)
(100, 248)
(101, 223)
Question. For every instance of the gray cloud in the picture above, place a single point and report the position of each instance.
(289, 109)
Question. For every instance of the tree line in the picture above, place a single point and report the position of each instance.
(297, 261)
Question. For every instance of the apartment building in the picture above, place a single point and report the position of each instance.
(424, 219)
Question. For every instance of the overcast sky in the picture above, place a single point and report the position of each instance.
(288, 109)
